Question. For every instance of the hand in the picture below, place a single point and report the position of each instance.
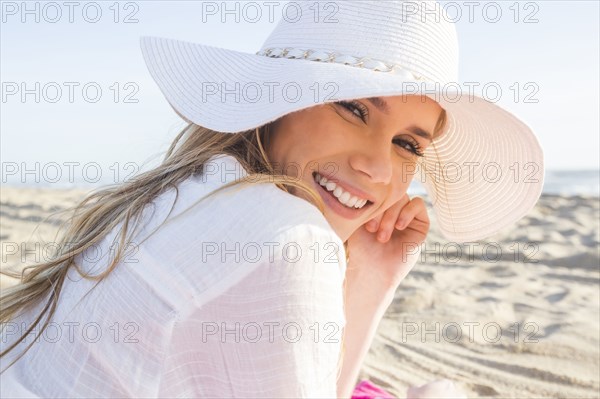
(388, 258)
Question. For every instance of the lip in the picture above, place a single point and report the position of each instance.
(337, 206)
(347, 187)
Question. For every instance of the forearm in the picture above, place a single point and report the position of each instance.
(366, 303)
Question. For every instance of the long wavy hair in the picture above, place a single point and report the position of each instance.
(103, 210)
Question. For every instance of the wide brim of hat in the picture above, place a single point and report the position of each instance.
(483, 174)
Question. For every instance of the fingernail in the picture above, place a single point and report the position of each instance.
(400, 224)
(372, 225)
(382, 235)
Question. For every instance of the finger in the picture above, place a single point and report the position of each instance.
(415, 209)
(373, 224)
(386, 225)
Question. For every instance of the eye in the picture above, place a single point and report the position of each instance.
(409, 145)
(355, 108)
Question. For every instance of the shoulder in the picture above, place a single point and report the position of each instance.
(257, 209)
(242, 215)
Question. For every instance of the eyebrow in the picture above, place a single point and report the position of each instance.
(419, 132)
(383, 106)
(380, 104)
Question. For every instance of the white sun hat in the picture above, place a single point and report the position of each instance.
(483, 174)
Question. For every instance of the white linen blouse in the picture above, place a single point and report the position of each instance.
(240, 296)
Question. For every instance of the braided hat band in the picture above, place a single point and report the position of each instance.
(344, 59)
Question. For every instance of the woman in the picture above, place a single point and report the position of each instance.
(259, 263)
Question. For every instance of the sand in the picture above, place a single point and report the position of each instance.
(516, 315)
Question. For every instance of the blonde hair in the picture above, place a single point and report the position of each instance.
(101, 211)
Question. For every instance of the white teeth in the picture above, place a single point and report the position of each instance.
(352, 201)
(343, 197)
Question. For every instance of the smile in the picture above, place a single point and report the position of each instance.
(341, 201)
(344, 197)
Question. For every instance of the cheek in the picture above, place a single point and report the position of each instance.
(315, 132)
(398, 194)
(288, 143)
(319, 143)
(403, 177)
(412, 170)
(327, 128)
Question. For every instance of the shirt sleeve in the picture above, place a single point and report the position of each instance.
(275, 333)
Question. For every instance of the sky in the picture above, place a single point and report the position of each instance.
(547, 52)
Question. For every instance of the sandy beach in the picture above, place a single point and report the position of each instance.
(516, 315)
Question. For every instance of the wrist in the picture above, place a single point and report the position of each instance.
(370, 278)
(369, 287)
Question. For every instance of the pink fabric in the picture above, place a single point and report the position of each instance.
(367, 390)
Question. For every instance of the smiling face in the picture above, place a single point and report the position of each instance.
(361, 151)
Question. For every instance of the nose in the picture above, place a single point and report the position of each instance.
(374, 159)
